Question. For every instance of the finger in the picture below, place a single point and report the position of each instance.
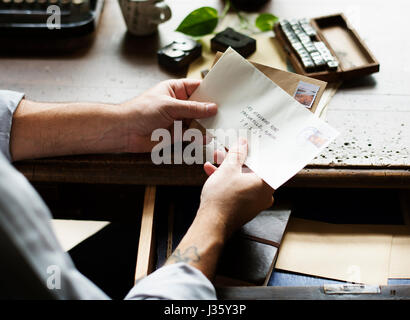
(272, 201)
(236, 155)
(219, 156)
(268, 187)
(183, 88)
(184, 109)
(262, 183)
(191, 85)
(209, 168)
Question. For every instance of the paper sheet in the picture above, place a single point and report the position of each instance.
(71, 232)
(289, 135)
(353, 254)
(368, 254)
(400, 257)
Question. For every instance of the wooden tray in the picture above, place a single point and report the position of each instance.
(355, 59)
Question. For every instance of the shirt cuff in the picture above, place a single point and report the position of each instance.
(178, 281)
(9, 101)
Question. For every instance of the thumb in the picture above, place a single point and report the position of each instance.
(186, 109)
(236, 155)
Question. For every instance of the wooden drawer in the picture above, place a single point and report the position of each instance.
(349, 206)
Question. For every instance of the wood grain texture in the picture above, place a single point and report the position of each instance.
(146, 250)
(139, 169)
(372, 113)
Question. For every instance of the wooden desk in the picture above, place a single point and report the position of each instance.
(372, 114)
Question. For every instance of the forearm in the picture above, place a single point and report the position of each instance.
(53, 129)
(202, 245)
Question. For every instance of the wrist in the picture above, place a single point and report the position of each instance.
(130, 116)
(210, 218)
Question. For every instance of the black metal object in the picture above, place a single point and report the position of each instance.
(32, 22)
(249, 5)
(178, 54)
(243, 44)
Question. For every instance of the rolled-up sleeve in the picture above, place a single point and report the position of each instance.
(178, 281)
(9, 101)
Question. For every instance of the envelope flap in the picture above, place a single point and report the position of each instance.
(288, 81)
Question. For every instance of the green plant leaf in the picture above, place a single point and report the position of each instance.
(265, 21)
(199, 22)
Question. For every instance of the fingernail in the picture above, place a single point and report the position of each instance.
(210, 107)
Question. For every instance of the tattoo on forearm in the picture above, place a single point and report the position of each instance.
(189, 255)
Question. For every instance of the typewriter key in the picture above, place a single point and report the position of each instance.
(184, 44)
(173, 52)
(304, 21)
(179, 53)
(297, 46)
(333, 65)
(243, 44)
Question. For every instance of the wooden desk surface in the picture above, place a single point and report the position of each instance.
(372, 114)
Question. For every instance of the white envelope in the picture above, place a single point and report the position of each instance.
(288, 137)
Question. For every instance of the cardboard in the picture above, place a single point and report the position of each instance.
(369, 254)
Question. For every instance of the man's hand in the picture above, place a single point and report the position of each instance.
(53, 129)
(159, 107)
(233, 194)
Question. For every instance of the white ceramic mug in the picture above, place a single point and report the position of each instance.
(143, 16)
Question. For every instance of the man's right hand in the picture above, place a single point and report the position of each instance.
(233, 195)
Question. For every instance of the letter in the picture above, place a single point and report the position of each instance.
(54, 20)
(194, 310)
(228, 308)
(54, 281)
(195, 146)
(242, 308)
(165, 145)
(178, 142)
(167, 310)
(214, 311)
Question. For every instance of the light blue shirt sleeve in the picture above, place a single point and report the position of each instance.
(178, 281)
(9, 101)
(29, 248)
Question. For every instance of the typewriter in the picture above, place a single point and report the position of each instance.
(29, 18)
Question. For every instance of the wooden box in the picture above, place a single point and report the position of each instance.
(355, 59)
